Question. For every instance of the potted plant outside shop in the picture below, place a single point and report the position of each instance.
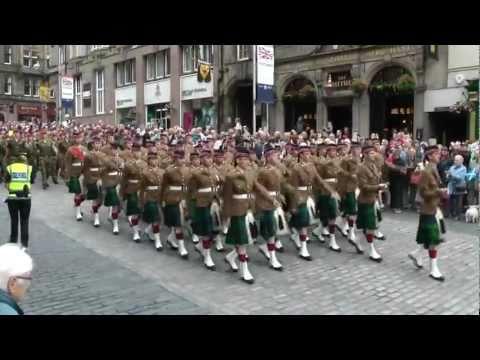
(358, 86)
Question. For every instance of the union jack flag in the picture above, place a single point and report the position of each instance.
(264, 53)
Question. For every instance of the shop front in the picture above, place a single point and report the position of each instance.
(126, 105)
(30, 112)
(198, 108)
(157, 103)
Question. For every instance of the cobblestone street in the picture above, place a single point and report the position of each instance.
(84, 270)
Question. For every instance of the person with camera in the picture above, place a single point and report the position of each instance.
(18, 183)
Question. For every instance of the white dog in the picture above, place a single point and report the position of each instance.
(472, 214)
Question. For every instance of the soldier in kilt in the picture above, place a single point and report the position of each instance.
(111, 178)
(267, 199)
(173, 196)
(130, 187)
(237, 201)
(202, 192)
(73, 169)
(430, 227)
(369, 183)
(347, 186)
(150, 195)
(92, 171)
(193, 165)
(300, 177)
(327, 202)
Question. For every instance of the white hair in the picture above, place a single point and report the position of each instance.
(13, 262)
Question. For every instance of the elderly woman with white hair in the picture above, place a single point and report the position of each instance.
(15, 276)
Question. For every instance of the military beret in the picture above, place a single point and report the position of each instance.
(179, 154)
(241, 152)
(367, 148)
(206, 153)
(219, 153)
(152, 152)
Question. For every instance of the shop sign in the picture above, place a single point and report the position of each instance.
(31, 110)
(126, 97)
(67, 88)
(340, 80)
(192, 89)
(157, 92)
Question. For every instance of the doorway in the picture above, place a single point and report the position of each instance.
(300, 105)
(340, 117)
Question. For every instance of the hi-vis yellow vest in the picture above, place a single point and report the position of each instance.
(19, 177)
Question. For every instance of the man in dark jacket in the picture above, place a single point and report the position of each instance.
(15, 277)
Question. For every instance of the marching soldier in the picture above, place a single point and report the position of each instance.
(92, 171)
(111, 178)
(383, 170)
(270, 178)
(47, 160)
(369, 182)
(173, 196)
(74, 159)
(62, 146)
(328, 202)
(202, 191)
(347, 187)
(431, 227)
(237, 201)
(130, 186)
(150, 197)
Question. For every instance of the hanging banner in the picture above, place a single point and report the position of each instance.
(204, 72)
(265, 74)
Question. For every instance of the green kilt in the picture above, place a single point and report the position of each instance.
(327, 208)
(111, 197)
(367, 217)
(133, 207)
(348, 205)
(172, 215)
(202, 222)
(93, 192)
(151, 213)
(74, 185)
(301, 218)
(267, 224)
(237, 231)
(428, 232)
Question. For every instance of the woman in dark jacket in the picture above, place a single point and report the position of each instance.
(398, 173)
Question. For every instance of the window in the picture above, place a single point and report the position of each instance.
(8, 55)
(189, 59)
(27, 89)
(205, 53)
(160, 64)
(52, 93)
(27, 58)
(167, 62)
(7, 90)
(36, 88)
(125, 73)
(243, 52)
(73, 51)
(151, 67)
(99, 100)
(78, 96)
(35, 60)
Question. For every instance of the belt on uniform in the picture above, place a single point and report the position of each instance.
(273, 193)
(113, 173)
(242, 196)
(77, 164)
(132, 181)
(152, 188)
(304, 188)
(331, 180)
(175, 188)
(94, 169)
(206, 190)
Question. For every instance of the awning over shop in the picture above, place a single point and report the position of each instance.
(442, 99)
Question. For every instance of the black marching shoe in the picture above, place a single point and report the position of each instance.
(441, 278)
(377, 260)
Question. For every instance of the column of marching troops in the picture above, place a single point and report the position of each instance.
(228, 196)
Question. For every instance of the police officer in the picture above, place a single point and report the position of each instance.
(18, 183)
